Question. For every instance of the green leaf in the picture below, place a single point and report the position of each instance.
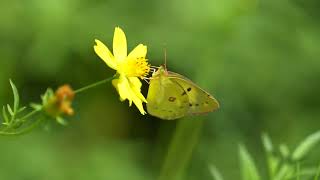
(10, 110)
(35, 106)
(303, 173)
(267, 143)
(22, 109)
(61, 121)
(248, 168)
(306, 146)
(273, 161)
(215, 173)
(284, 151)
(5, 115)
(47, 96)
(284, 172)
(15, 97)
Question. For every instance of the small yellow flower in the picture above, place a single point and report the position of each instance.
(129, 67)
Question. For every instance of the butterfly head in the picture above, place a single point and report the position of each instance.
(160, 71)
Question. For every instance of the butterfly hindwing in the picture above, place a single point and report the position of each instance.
(165, 100)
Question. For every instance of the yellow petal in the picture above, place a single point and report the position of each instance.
(138, 51)
(103, 52)
(135, 85)
(119, 44)
(130, 89)
(123, 87)
(139, 105)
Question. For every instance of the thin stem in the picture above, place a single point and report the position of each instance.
(94, 85)
(30, 114)
(318, 174)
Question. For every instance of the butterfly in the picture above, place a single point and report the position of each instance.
(172, 96)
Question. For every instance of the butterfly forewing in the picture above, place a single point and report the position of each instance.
(165, 99)
(199, 100)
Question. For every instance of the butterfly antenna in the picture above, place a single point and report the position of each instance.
(165, 59)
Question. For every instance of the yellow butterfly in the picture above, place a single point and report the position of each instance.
(172, 96)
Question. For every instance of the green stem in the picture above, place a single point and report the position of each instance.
(318, 174)
(181, 148)
(30, 114)
(94, 85)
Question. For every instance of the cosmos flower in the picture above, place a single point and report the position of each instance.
(130, 67)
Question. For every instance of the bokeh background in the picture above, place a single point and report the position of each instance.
(260, 59)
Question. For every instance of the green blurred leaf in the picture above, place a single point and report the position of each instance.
(10, 110)
(304, 172)
(35, 106)
(284, 150)
(306, 146)
(215, 173)
(5, 116)
(15, 97)
(267, 143)
(284, 172)
(273, 161)
(248, 168)
(61, 121)
(22, 109)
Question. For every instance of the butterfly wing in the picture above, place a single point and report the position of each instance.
(199, 100)
(165, 99)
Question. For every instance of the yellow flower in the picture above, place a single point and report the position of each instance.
(129, 67)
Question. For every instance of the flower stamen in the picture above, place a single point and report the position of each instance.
(138, 67)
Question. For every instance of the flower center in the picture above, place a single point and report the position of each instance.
(138, 67)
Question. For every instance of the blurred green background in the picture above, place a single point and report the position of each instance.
(260, 59)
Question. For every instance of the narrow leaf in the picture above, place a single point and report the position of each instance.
(284, 150)
(284, 172)
(267, 143)
(15, 97)
(10, 110)
(61, 121)
(273, 161)
(35, 106)
(248, 168)
(215, 173)
(5, 116)
(305, 146)
(22, 109)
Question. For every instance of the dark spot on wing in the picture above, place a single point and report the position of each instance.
(172, 99)
(190, 105)
(189, 89)
(197, 104)
(184, 93)
(207, 102)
